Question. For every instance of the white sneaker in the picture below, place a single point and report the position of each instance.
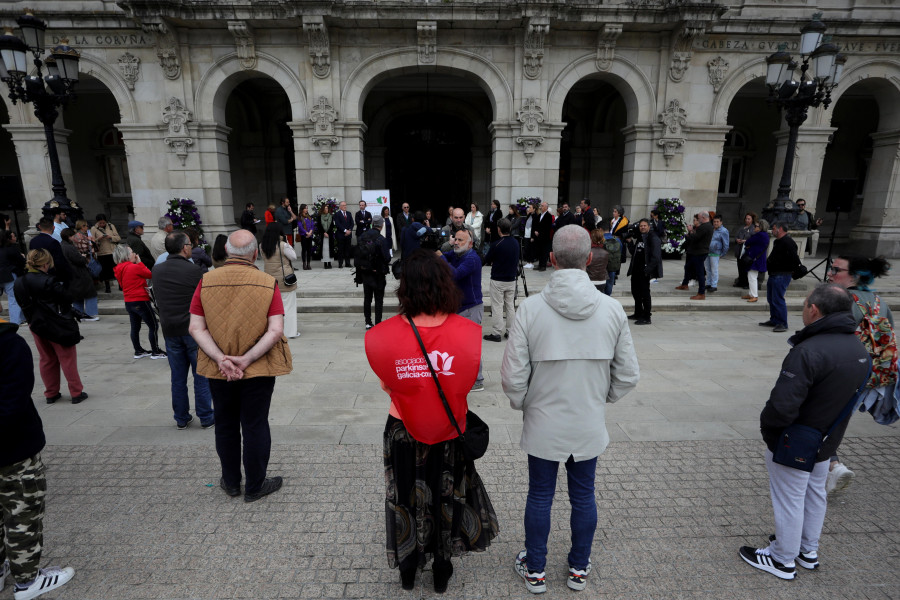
(528, 266)
(94, 318)
(48, 579)
(4, 571)
(839, 478)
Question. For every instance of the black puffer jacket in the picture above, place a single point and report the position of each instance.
(81, 286)
(48, 307)
(21, 430)
(818, 377)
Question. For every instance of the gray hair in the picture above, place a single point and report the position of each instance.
(244, 251)
(704, 214)
(763, 225)
(571, 247)
(121, 253)
(830, 298)
(164, 222)
(780, 225)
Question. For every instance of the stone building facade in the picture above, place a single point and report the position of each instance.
(458, 101)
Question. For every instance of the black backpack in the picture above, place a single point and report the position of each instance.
(368, 254)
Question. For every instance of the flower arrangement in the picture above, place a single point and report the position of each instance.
(183, 212)
(321, 201)
(671, 214)
(318, 245)
(522, 204)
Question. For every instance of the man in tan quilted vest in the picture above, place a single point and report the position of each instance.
(237, 319)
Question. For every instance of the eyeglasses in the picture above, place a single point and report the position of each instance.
(834, 269)
(802, 205)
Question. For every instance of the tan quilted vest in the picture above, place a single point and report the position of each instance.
(236, 299)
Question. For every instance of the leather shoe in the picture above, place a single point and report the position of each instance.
(642, 322)
(77, 399)
(493, 337)
(746, 297)
(231, 491)
(52, 399)
(753, 300)
(712, 289)
(699, 297)
(682, 287)
(634, 316)
(779, 329)
(768, 323)
(271, 484)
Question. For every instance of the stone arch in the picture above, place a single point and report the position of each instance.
(99, 70)
(881, 78)
(633, 85)
(382, 118)
(226, 73)
(450, 61)
(718, 112)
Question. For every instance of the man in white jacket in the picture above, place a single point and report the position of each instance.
(569, 353)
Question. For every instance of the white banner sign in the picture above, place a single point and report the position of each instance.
(376, 200)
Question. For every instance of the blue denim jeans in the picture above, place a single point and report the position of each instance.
(182, 354)
(583, 520)
(775, 290)
(15, 313)
(712, 270)
(610, 282)
(88, 306)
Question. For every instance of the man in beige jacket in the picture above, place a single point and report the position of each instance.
(569, 353)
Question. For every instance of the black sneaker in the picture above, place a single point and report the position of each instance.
(209, 425)
(768, 323)
(142, 353)
(643, 322)
(760, 559)
(493, 337)
(183, 426)
(158, 354)
(779, 329)
(711, 289)
(634, 316)
(807, 560)
(52, 399)
(231, 491)
(271, 484)
(77, 399)
(578, 577)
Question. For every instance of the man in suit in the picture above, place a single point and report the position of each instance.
(363, 220)
(565, 217)
(540, 236)
(343, 222)
(248, 219)
(403, 219)
(45, 240)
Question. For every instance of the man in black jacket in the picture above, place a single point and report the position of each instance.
(697, 244)
(343, 222)
(780, 265)
(62, 270)
(137, 245)
(504, 260)
(248, 219)
(565, 217)
(540, 236)
(372, 274)
(817, 380)
(646, 264)
(23, 483)
(174, 283)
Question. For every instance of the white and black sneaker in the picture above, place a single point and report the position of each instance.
(4, 571)
(142, 354)
(534, 581)
(578, 577)
(762, 560)
(48, 579)
(807, 560)
(158, 354)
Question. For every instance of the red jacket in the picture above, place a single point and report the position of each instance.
(133, 279)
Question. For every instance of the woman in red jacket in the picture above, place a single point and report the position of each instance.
(436, 503)
(132, 276)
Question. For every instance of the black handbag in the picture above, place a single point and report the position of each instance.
(53, 324)
(798, 446)
(746, 261)
(477, 436)
(290, 279)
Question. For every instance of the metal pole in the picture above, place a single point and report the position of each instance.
(795, 116)
(45, 111)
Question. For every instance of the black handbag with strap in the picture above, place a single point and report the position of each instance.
(477, 436)
(290, 278)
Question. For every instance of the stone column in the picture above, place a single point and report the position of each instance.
(808, 160)
(701, 166)
(148, 165)
(350, 171)
(878, 230)
(525, 169)
(302, 156)
(34, 164)
(637, 168)
(206, 178)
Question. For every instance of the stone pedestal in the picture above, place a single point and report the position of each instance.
(878, 230)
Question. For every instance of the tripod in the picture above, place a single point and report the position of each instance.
(520, 271)
(828, 259)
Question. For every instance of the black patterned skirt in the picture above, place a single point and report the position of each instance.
(435, 504)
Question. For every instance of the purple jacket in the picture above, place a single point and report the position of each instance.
(757, 246)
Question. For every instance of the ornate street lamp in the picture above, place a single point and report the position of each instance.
(797, 93)
(47, 93)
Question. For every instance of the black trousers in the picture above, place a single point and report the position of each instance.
(640, 291)
(343, 249)
(373, 286)
(542, 251)
(243, 407)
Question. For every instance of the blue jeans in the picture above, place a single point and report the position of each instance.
(775, 290)
(583, 520)
(88, 306)
(142, 311)
(712, 270)
(610, 282)
(15, 313)
(182, 354)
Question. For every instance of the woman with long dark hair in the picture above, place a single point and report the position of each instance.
(326, 231)
(219, 255)
(389, 231)
(277, 256)
(306, 227)
(436, 504)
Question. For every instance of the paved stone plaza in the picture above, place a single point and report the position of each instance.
(134, 507)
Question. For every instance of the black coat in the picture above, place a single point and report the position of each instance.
(81, 286)
(647, 252)
(491, 223)
(342, 223)
(21, 430)
(363, 220)
(248, 221)
(138, 246)
(563, 220)
(544, 226)
(61, 267)
(11, 262)
(817, 379)
(48, 307)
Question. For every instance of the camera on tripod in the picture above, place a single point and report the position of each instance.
(432, 240)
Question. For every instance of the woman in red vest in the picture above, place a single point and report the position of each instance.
(421, 449)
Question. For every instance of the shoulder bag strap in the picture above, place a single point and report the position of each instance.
(849, 408)
(435, 377)
(282, 261)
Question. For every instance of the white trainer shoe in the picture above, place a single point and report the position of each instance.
(839, 478)
(48, 579)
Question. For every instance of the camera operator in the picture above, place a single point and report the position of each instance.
(458, 223)
(411, 237)
(504, 259)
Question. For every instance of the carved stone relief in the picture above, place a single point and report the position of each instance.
(682, 48)
(244, 43)
(166, 48)
(606, 45)
(323, 115)
(718, 67)
(673, 118)
(530, 116)
(130, 67)
(176, 117)
(535, 32)
(319, 45)
(427, 38)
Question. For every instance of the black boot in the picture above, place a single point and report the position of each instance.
(442, 570)
(108, 291)
(408, 578)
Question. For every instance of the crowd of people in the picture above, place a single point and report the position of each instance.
(568, 353)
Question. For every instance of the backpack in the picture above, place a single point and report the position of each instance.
(876, 334)
(614, 247)
(368, 254)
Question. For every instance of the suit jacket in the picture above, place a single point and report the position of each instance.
(342, 223)
(61, 267)
(491, 222)
(401, 221)
(363, 220)
(563, 220)
(544, 227)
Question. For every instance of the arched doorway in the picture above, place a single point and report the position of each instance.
(100, 180)
(260, 145)
(428, 142)
(748, 155)
(12, 195)
(592, 149)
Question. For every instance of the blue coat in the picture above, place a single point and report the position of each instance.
(466, 271)
(757, 246)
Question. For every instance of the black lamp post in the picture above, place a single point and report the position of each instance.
(796, 94)
(62, 67)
